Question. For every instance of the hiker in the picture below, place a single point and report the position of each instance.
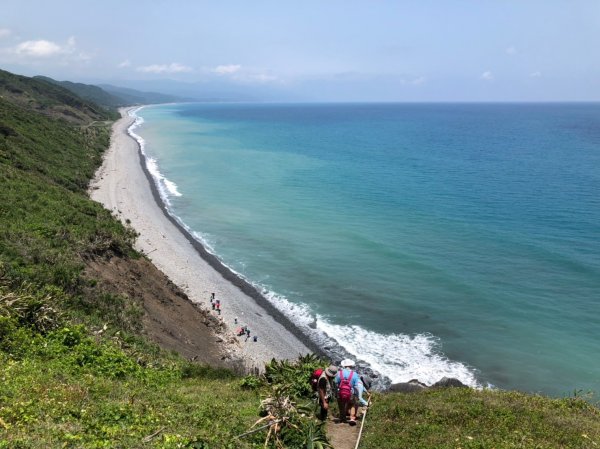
(255, 338)
(346, 381)
(212, 297)
(363, 384)
(325, 389)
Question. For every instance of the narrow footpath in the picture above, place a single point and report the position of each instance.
(343, 436)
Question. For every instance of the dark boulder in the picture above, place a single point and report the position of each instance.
(449, 382)
(411, 386)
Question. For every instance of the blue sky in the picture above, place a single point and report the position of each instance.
(471, 50)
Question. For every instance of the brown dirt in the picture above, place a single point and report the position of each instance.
(342, 435)
(169, 318)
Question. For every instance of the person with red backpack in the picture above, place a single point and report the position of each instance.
(346, 381)
(321, 381)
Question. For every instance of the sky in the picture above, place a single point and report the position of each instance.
(375, 50)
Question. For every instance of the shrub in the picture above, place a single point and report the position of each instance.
(37, 309)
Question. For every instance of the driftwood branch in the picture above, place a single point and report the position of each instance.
(149, 437)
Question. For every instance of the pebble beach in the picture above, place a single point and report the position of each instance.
(123, 186)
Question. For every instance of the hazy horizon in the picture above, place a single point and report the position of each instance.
(465, 51)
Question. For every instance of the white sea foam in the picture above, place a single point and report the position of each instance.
(299, 314)
(397, 356)
(166, 187)
(171, 187)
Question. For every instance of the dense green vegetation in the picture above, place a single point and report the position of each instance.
(47, 223)
(49, 99)
(75, 372)
(66, 388)
(89, 92)
(72, 372)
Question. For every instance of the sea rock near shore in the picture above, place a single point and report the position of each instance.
(449, 382)
(411, 386)
(414, 385)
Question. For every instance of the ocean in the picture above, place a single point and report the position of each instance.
(428, 240)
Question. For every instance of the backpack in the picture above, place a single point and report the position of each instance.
(345, 387)
(314, 378)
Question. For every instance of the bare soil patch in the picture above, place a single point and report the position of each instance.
(169, 318)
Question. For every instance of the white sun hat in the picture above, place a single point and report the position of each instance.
(347, 363)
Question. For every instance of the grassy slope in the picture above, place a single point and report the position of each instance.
(51, 100)
(69, 390)
(465, 418)
(47, 224)
(59, 387)
(93, 386)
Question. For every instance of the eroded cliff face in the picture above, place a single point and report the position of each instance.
(153, 305)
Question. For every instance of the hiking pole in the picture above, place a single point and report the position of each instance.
(364, 418)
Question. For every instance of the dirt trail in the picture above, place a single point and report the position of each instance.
(342, 435)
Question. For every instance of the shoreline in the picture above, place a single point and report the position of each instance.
(221, 268)
(133, 197)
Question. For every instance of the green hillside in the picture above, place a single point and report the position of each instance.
(77, 369)
(89, 92)
(50, 100)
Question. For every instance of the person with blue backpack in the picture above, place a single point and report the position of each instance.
(346, 381)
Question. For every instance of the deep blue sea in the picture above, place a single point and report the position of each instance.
(428, 240)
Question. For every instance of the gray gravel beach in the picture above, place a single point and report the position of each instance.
(123, 187)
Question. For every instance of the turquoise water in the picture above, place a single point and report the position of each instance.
(426, 239)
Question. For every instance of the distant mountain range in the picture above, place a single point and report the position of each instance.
(133, 96)
(111, 97)
(77, 103)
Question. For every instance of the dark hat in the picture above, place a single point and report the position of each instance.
(331, 371)
(367, 382)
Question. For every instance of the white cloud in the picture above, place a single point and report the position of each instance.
(511, 51)
(227, 69)
(4, 32)
(174, 67)
(46, 49)
(38, 49)
(536, 74)
(124, 64)
(487, 76)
